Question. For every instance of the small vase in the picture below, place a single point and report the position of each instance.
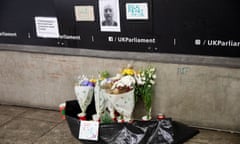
(149, 113)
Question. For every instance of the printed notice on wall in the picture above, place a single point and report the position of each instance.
(137, 11)
(88, 130)
(47, 27)
(84, 13)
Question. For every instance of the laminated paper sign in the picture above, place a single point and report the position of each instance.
(89, 130)
(137, 11)
(47, 27)
(84, 13)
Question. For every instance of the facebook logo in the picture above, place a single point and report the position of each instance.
(110, 39)
(197, 42)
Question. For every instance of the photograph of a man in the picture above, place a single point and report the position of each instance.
(109, 15)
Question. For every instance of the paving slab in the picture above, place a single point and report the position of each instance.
(12, 110)
(45, 115)
(59, 135)
(23, 131)
(19, 125)
(4, 119)
(215, 137)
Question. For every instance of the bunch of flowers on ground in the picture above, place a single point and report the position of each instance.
(144, 88)
(119, 93)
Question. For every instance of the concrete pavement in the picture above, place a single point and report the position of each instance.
(22, 125)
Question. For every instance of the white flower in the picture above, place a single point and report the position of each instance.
(128, 81)
(154, 76)
(118, 76)
(140, 83)
(139, 80)
(152, 69)
(149, 86)
(118, 84)
(152, 82)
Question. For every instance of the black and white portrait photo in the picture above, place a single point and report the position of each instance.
(109, 15)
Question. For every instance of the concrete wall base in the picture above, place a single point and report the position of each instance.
(206, 96)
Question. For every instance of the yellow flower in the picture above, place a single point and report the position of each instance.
(93, 80)
(128, 71)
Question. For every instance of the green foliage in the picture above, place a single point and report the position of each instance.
(105, 74)
(106, 118)
(144, 87)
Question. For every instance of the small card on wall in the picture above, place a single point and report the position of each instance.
(84, 13)
(137, 11)
(89, 130)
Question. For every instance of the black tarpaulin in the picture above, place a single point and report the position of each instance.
(163, 131)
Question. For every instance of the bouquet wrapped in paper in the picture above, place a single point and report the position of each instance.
(84, 93)
(100, 101)
(123, 103)
(120, 97)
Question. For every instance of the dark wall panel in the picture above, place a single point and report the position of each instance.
(197, 27)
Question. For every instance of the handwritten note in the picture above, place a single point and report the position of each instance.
(89, 130)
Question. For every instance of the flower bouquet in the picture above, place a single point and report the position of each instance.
(119, 94)
(121, 97)
(144, 88)
(84, 93)
(99, 101)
